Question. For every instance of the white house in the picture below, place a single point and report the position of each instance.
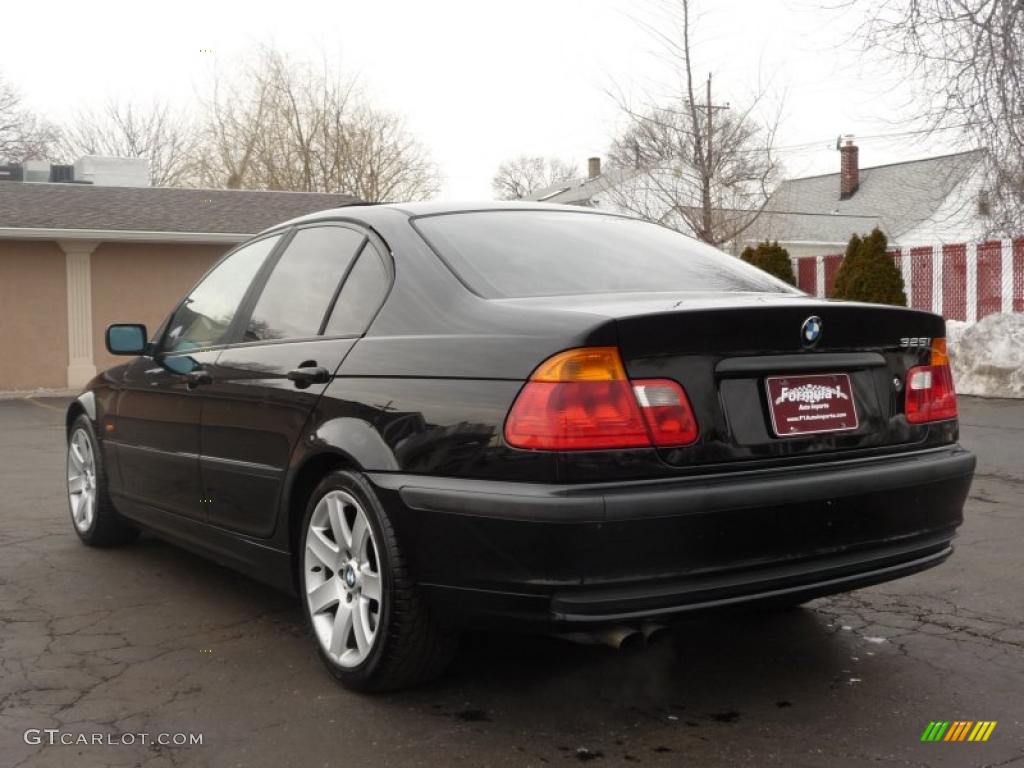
(918, 202)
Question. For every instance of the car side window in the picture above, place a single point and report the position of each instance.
(360, 296)
(204, 318)
(299, 291)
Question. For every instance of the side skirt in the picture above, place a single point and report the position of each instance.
(241, 553)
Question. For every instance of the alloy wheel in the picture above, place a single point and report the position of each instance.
(342, 578)
(81, 480)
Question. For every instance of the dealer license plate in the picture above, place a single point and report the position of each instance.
(806, 405)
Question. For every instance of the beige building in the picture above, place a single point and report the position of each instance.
(76, 257)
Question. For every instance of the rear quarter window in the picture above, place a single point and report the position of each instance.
(517, 254)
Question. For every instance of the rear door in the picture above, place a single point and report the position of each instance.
(300, 327)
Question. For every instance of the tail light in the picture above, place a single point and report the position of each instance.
(582, 400)
(930, 393)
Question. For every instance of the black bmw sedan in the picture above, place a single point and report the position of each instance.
(423, 418)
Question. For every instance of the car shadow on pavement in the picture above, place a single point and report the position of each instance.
(704, 669)
(706, 652)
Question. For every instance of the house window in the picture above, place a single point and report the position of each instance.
(984, 203)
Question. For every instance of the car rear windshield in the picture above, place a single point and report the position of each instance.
(515, 254)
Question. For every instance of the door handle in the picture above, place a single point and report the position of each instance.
(306, 375)
(197, 378)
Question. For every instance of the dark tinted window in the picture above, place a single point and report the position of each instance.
(205, 316)
(361, 296)
(505, 254)
(300, 288)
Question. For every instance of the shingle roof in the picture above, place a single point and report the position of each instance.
(154, 209)
(582, 190)
(808, 227)
(899, 197)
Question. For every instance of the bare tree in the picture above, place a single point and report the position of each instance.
(164, 137)
(23, 135)
(700, 166)
(967, 58)
(525, 174)
(279, 124)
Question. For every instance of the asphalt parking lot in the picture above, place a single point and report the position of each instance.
(152, 639)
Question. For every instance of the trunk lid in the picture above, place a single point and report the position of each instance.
(748, 369)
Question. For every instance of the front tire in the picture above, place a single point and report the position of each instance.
(93, 516)
(373, 629)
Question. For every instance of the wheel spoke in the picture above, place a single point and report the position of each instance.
(339, 529)
(371, 583)
(76, 454)
(341, 629)
(361, 631)
(76, 484)
(359, 533)
(323, 596)
(322, 549)
(86, 509)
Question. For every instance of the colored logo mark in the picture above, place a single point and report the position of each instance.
(958, 730)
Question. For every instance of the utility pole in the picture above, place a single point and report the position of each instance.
(707, 209)
(710, 107)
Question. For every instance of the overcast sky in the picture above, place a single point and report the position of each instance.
(479, 82)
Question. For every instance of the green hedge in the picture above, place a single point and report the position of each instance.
(868, 273)
(772, 258)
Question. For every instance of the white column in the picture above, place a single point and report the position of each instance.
(972, 282)
(1007, 277)
(77, 254)
(819, 271)
(937, 307)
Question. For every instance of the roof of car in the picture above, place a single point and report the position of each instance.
(369, 212)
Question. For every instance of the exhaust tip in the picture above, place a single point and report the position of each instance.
(618, 638)
(654, 633)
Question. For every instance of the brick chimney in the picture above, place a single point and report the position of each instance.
(593, 167)
(849, 168)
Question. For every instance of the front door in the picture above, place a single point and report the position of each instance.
(265, 386)
(156, 428)
(157, 433)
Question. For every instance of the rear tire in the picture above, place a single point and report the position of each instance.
(373, 629)
(93, 516)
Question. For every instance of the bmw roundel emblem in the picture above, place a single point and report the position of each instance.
(810, 331)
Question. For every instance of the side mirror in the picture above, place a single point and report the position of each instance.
(126, 339)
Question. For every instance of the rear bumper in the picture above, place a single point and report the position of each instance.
(576, 555)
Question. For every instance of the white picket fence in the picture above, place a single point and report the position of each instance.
(962, 281)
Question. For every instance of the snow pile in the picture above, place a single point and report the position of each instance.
(988, 356)
(954, 331)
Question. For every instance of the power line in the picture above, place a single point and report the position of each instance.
(865, 137)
